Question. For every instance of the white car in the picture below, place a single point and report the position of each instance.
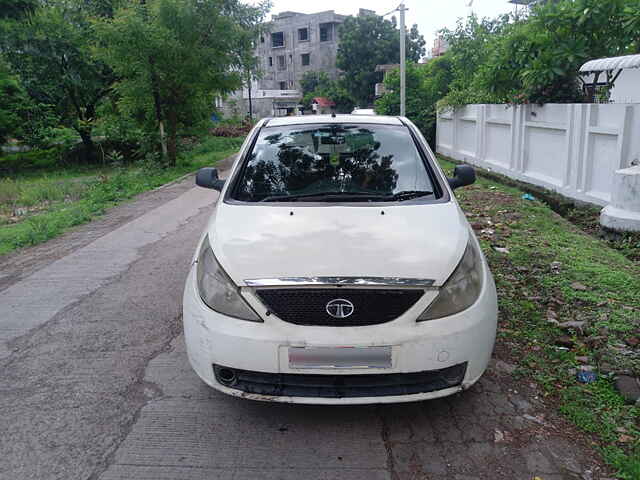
(363, 111)
(338, 268)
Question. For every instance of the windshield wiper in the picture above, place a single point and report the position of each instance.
(326, 196)
(352, 196)
(408, 195)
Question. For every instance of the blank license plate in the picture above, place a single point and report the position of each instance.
(340, 357)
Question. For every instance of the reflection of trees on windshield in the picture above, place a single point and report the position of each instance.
(332, 159)
(274, 139)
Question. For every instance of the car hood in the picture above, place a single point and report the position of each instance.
(405, 241)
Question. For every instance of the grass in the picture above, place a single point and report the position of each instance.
(584, 216)
(588, 219)
(554, 272)
(20, 195)
(37, 206)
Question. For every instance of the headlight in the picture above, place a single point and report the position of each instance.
(462, 288)
(217, 290)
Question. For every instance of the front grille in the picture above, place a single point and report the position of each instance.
(308, 306)
(340, 386)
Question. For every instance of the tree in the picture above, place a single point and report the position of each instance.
(173, 57)
(13, 99)
(340, 96)
(16, 8)
(365, 42)
(468, 51)
(312, 81)
(318, 84)
(51, 52)
(537, 58)
(561, 37)
(314, 84)
(426, 85)
(631, 23)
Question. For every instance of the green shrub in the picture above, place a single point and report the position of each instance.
(536, 58)
(32, 160)
(426, 84)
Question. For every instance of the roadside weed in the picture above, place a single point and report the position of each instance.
(41, 205)
(568, 301)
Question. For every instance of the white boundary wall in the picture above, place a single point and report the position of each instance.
(573, 149)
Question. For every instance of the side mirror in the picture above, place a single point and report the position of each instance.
(463, 175)
(208, 178)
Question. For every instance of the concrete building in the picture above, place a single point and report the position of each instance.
(440, 47)
(298, 43)
(295, 44)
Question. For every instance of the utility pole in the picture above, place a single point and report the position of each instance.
(403, 62)
(250, 103)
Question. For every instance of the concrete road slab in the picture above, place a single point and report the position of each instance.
(190, 429)
(71, 388)
(36, 299)
(192, 425)
(96, 385)
(186, 473)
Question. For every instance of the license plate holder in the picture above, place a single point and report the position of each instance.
(340, 357)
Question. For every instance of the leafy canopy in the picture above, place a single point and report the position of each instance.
(13, 100)
(318, 84)
(537, 58)
(513, 59)
(16, 8)
(172, 57)
(367, 41)
(426, 84)
(50, 50)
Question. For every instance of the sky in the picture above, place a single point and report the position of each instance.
(430, 15)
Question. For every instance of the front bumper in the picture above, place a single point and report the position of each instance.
(465, 338)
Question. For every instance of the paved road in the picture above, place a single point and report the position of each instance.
(95, 383)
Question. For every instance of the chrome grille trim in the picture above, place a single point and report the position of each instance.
(353, 281)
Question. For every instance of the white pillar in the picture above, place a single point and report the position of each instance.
(623, 213)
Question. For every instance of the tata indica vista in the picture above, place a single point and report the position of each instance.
(338, 268)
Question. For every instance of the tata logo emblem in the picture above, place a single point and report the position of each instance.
(340, 308)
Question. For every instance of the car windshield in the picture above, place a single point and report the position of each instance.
(336, 162)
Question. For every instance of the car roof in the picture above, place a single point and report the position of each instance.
(311, 119)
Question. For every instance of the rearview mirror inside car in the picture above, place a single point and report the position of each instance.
(208, 178)
(463, 175)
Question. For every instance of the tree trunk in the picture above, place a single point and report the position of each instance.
(88, 146)
(155, 92)
(163, 139)
(157, 102)
(172, 134)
